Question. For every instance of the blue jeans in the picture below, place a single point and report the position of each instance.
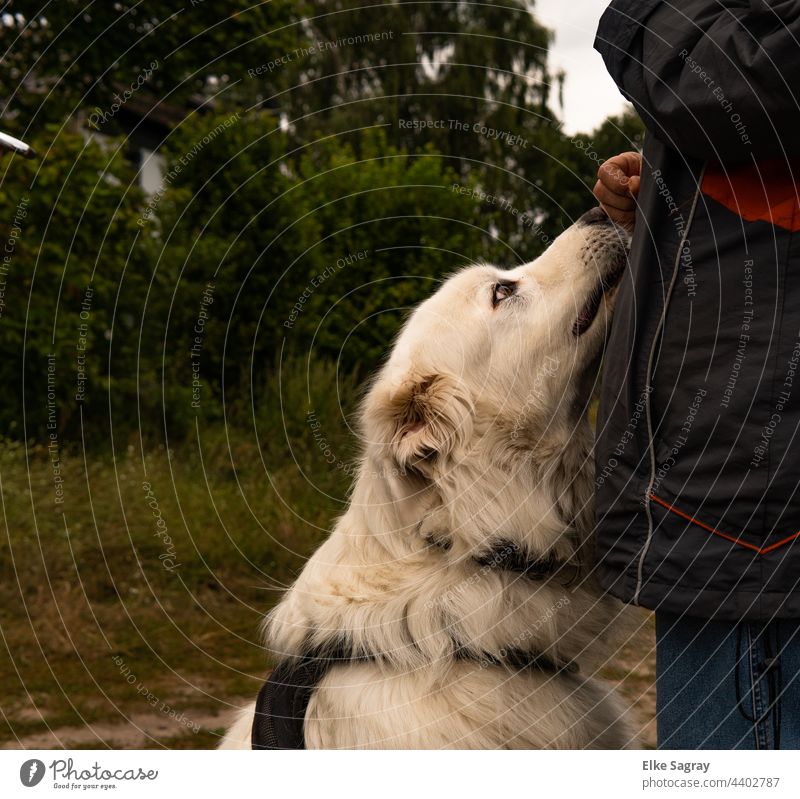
(727, 685)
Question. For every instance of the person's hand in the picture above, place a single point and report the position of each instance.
(617, 185)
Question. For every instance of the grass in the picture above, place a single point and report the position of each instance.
(142, 593)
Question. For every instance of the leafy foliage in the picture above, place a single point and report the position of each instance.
(325, 167)
(61, 57)
(71, 282)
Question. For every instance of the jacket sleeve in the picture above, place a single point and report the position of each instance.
(710, 78)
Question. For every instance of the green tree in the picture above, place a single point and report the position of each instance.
(328, 165)
(323, 251)
(471, 80)
(62, 57)
(73, 278)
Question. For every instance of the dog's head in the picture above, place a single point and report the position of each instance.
(502, 351)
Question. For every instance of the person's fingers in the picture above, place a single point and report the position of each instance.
(620, 174)
(622, 210)
(630, 163)
(613, 178)
(610, 198)
(618, 181)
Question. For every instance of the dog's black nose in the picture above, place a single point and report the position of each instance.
(595, 216)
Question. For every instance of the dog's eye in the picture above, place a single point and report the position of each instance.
(502, 291)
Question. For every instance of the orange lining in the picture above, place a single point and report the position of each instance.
(759, 550)
(766, 191)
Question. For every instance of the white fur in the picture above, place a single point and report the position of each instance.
(474, 429)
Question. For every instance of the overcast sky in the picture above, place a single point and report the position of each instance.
(589, 93)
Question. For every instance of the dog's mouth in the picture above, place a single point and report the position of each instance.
(590, 310)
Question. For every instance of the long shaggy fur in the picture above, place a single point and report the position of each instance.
(477, 457)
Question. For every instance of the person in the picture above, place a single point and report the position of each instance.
(698, 513)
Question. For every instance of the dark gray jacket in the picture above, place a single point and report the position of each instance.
(698, 453)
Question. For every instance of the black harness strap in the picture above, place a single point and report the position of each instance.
(520, 660)
(282, 703)
(505, 555)
(283, 699)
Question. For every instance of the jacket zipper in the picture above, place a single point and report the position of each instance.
(649, 388)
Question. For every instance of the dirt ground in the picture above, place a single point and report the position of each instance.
(139, 733)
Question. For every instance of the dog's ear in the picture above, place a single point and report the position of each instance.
(420, 420)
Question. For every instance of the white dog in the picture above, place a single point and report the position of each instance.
(453, 604)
